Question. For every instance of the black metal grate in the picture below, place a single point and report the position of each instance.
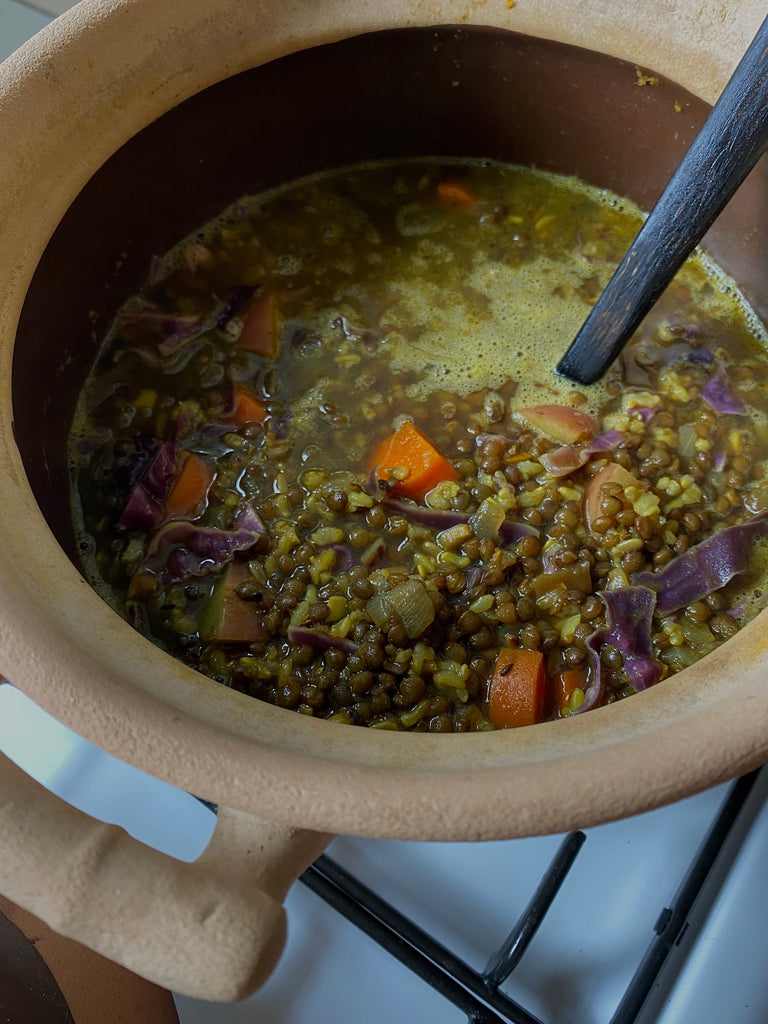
(477, 994)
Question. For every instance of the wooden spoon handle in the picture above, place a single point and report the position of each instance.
(728, 146)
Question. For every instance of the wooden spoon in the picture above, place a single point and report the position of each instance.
(726, 149)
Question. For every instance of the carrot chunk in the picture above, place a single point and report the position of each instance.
(409, 465)
(564, 684)
(261, 327)
(455, 193)
(516, 689)
(248, 408)
(189, 491)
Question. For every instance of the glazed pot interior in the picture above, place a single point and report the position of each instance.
(460, 92)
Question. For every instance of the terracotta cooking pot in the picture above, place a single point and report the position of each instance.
(124, 126)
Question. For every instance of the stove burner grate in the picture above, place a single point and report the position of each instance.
(478, 994)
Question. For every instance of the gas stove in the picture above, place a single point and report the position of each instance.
(656, 918)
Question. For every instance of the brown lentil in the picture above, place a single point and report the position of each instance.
(723, 626)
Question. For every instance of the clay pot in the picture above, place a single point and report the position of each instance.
(98, 173)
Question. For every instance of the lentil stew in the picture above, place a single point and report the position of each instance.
(323, 457)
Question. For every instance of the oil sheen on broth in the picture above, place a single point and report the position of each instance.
(324, 458)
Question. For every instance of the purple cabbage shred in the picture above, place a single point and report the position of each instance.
(705, 567)
(719, 395)
(630, 619)
(182, 550)
(440, 519)
(249, 519)
(144, 508)
(320, 639)
(176, 330)
(701, 355)
(644, 412)
(345, 558)
(567, 459)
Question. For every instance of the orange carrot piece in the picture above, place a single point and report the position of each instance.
(563, 685)
(612, 473)
(248, 408)
(409, 464)
(455, 193)
(261, 327)
(189, 491)
(517, 688)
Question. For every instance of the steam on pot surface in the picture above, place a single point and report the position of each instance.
(323, 456)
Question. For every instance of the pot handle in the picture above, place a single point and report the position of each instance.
(212, 929)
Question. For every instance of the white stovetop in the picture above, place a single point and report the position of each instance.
(17, 23)
(469, 895)
(580, 961)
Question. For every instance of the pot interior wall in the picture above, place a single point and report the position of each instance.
(448, 92)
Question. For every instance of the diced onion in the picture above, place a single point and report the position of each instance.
(488, 519)
(379, 609)
(686, 440)
(409, 601)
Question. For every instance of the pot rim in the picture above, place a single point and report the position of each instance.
(91, 80)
